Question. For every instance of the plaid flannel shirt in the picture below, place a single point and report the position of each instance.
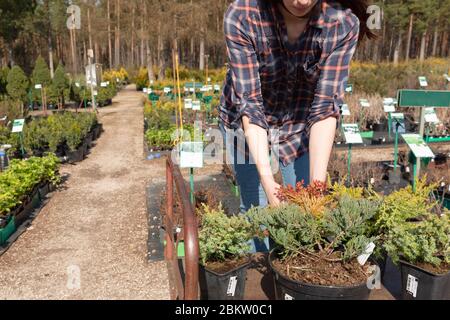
(283, 86)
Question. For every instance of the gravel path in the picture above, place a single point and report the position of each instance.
(95, 226)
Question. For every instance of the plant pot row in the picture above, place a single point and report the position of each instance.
(79, 154)
(22, 213)
(406, 281)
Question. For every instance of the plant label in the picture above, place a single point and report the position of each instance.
(352, 133)
(149, 90)
(216, 87)
(418, 146)
(18, 125)
(196, 105)
(398, 119)
(431, 116)
(412, 285)
(447, 77)
(362, 259)
(38, 86)
(167, 90)
(231, 291)
(145, 90)
(204, 89)
(288, 297)
(349, 88)
(191, 155)
(364, 103)
(389, 108)
(103, 84)
(345, 110)
(188, 103)
(95, 93)
(209, 79)
(423, 82)
(77, 84)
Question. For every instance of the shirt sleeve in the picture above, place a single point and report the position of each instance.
(244, 68)
(334, 74)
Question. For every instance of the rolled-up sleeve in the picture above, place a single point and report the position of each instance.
(244, 67)
(334, 72)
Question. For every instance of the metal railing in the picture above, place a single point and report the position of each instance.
(187, 289)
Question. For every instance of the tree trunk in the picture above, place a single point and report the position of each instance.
(117, 43)
(143, 33)
(151, 75)
(408, 43)
(444, 47)
(50, 56)
(133, 10)
(397, 49)
(89, 28)
(435, 41)
(423, 46)
(202, 50)
(109, 34)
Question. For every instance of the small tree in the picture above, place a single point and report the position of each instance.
(60, 84)
(17, 85)
(41, 75)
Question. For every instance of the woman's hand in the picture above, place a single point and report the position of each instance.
(271, 188)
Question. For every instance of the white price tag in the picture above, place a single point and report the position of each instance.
(345, 110)
(352, 133)
(418, 146)
(288, 297)
(216, 87)
(231, 291)
(431, 116)
(196, 105)
(191, 155)
(364, 103)
(18, 125)
(389, 108)
(77, 84)
(423, 82)
(103, 84)
(167, 90)
(188, 103)
(412, 285)
(145, 90)
(38, 86)
(362, 259)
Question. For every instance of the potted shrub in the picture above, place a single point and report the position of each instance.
(223, 251)
(321, 239)
(416, 238)
(400, 207)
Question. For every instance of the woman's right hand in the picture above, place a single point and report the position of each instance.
(272, 188)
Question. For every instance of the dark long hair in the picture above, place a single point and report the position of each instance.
(359, 8)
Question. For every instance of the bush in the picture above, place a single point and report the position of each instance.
(22, 177)
(221, 237)
(337, 231)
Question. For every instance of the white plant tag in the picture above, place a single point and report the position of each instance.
(232, 287)
(412, 285)
(362, 259)
(288, 297)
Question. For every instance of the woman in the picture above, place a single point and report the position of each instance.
(288, 67)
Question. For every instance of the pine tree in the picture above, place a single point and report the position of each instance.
(41, 75)
(60, 84)
(17, 85)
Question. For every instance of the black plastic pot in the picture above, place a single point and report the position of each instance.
(75, 156)
(287, 289)
(419, 284)
(227, 286)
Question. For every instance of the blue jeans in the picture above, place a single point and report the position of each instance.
(251, 190)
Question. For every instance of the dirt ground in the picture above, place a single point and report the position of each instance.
(89, 242)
